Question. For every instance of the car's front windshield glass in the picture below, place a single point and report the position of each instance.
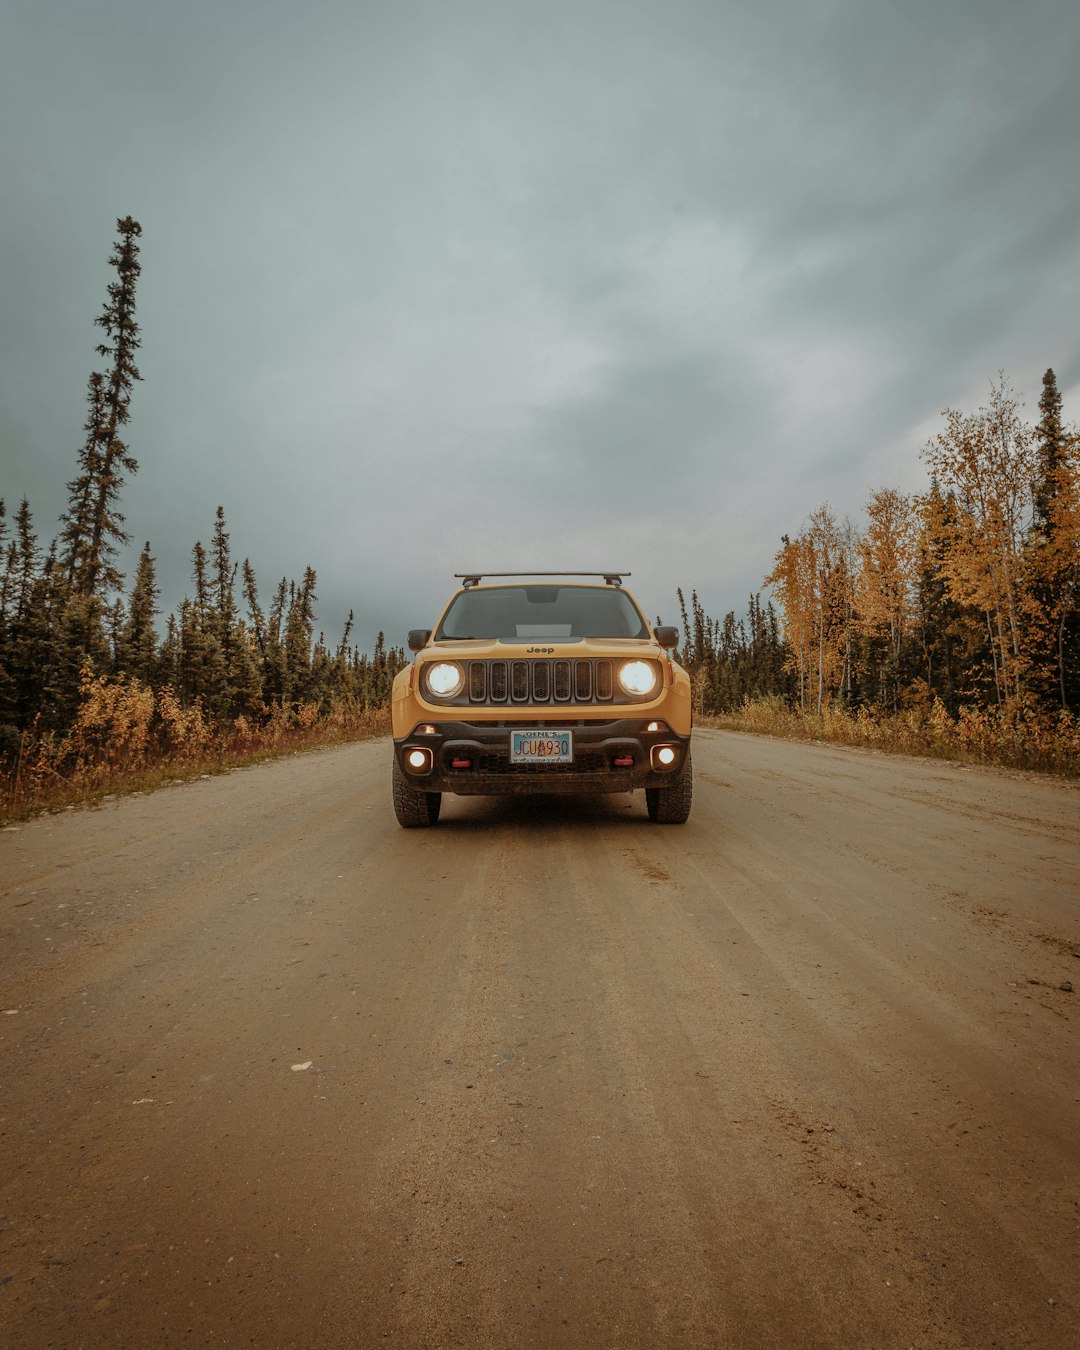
(546, 612)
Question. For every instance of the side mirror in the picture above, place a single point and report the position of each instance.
(667, 635)
(418, 637)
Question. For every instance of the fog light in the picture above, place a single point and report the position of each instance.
(666, 755)
(418, 760)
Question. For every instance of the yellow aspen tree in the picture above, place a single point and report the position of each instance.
(831, 581)
(848, 582)
(887, 566)
(792, 582)
(988, 460)
(813, 581)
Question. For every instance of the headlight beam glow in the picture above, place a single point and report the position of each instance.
(444, 679)
(638, 678)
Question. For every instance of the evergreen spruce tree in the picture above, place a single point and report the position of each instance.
(224, 580)
(115, 619)
(7, 587)
(1053, 573)
(72, 636)
(202, 665)
(169, 657)
(384, 665)
(21, 677)
(58, 679)
(78, 521)
(321, 688)
(299, 631)
(1050, 437)
(93, 524)
(343, 647)
(188, 685)
(246, 677)
(687, 653)
(9, 734)
(256, 620)
(137, 655)
(274, 665)
(27, 557)
(241, 644)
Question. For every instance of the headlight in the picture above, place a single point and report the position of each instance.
(638, 678)
(444, 679)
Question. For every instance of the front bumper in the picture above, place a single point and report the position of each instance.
(485, 748)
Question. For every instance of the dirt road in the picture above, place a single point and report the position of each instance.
(803, 1072)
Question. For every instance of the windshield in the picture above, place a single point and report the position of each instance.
(529, 613)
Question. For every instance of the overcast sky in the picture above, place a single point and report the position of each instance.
(488, 284)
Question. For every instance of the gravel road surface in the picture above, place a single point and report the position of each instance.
(803, 1072)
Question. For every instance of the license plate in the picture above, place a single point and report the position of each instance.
(541, 747)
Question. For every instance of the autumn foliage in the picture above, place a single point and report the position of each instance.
(1017, 739)
(949, 621)
(128, 735)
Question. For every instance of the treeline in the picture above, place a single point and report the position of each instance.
(66, 620)
(965, 595)
(222, 650)
(733, 660)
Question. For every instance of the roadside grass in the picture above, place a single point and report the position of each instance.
(1012, 738)
(130, 738)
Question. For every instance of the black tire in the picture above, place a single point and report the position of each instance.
(671, 805)
(415, 810)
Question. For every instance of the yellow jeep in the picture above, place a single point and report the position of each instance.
(535, 683)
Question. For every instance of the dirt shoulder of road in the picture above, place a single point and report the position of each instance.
(732, 727)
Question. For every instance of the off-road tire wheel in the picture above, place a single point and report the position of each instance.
(415, 810)
(671, 805)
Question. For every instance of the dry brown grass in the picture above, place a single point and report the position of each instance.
(1015, 738)
(128, 737)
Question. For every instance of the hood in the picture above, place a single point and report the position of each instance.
(484, 649)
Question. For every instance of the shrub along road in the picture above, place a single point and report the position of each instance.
(804, 1071)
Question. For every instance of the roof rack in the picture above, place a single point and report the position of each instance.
(469, 579)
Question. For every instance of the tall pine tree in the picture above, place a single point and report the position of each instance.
(137, 654)
(1053, 569)
(1050, 441)
(93, 524)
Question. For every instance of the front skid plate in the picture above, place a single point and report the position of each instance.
(466, 784)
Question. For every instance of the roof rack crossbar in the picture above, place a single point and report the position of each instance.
(474, 578)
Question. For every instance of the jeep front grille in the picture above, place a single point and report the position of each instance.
(562, 681)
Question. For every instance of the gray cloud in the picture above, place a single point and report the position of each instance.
(600, 284)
